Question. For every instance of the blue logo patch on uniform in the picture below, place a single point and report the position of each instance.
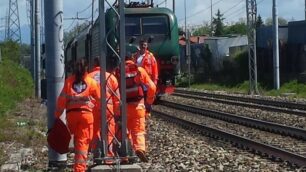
(79, 87)
(96, 77)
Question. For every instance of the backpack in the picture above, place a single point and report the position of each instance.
(134, 90)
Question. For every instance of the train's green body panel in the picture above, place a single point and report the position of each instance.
(156, 25)
(164, 42)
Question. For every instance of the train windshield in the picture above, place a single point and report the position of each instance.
(146, 25)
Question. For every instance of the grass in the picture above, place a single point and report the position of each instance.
(22, 122)
(295, 89)
(240, 88)
(15, 84)
(18, 125)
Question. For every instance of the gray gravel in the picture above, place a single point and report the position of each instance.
(277, 140)
(172, 148)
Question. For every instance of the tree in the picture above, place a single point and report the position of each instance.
(237, 28)
(204, 30)
(259, 22)
(281, 21)
(181, 31)
(218, 24)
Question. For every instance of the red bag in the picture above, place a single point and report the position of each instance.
(134, 90)
(59, 137)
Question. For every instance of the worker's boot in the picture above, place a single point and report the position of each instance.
(142, 155)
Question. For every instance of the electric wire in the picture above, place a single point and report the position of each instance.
(161, 3)
(233, 6)
(201, 11)
(239, 11)
(80, 18)
(68, 28)
(85, 9)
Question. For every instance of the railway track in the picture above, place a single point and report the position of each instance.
(275, 106)
(250, 122)
(264, 143)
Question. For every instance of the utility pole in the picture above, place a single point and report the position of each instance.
(55, 68)
(32, 16)
(275, 46)
(103, 83)
(92, 11)
(37, 49)
(188, 56)
(173, 6)
(305, 9)
(13, 30)
(185, 19)
(211, 18)
(251, 8)
(124, 143)
(6, 25)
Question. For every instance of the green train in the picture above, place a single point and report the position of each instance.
(156, 25)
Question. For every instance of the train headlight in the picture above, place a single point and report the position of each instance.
(174, 60)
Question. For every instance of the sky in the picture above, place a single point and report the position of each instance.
(197, 11)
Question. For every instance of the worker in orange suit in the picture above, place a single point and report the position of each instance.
(112, 111)
(136, 78)
(144, 58)
(77, 98)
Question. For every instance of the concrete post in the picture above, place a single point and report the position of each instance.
(55, 64)
(37, 49)
(188, 55)
(33, 40)
(275, 46)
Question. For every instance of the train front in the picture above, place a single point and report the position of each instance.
(159, 27)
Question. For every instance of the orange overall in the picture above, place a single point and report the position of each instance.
(113, 109)
(77, 99)
(136, 110)
(148, 62)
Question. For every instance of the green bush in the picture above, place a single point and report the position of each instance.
(15, 84)
(294, 87)
(10, 50)
(235, 69)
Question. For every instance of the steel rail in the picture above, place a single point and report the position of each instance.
(243, 103)
(242, 142)
(290, 105)
(250, 122)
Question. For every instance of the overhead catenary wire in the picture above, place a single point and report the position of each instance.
(233, 6)
(161, 3)
(229, 10)
(80, 18)
(85, 8)
(201, 11)
(68, 28)
(240, 11)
